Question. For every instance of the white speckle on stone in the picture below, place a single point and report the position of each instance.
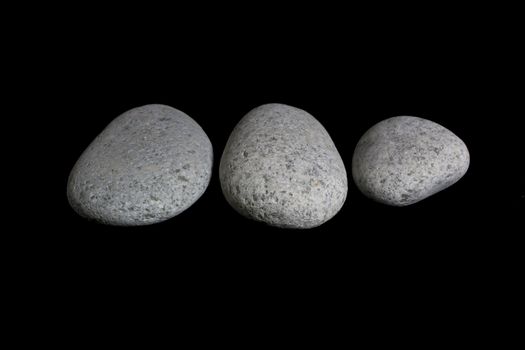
(148, 165)
(402, 160)
(281, 167)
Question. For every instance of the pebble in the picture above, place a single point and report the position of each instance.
(402, 160)
(281, 167)
(148, 165)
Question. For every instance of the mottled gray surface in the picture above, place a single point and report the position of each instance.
(402, 160)
(281, 167)
(148, 165)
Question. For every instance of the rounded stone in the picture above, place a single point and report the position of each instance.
(402, 160)
(148, 165)
(281, 167)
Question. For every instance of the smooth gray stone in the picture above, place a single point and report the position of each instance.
(402, 160)
(148, 165)
(281, 167)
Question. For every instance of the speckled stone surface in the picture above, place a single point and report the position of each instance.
(402, 160)
(148, 165)
(281, 167)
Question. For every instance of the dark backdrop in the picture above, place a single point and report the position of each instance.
(349, 69)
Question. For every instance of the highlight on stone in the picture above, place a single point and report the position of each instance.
(148, 165)
(402, 160)
(281, 167)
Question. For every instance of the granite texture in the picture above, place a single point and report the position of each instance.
(148, 165)
(281, 167)
(402, 160)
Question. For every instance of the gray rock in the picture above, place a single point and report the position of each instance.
(148, 165)
(402, 160)
(281, 167)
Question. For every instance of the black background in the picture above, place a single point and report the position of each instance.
(349, 68)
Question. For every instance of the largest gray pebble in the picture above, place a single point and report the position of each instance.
(148, 165)
(281, 167)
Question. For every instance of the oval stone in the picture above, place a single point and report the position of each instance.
(148, 165)
(402, 160)
(281, 167)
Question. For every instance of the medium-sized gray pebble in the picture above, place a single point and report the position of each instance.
(402, 160)
(281, 167)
